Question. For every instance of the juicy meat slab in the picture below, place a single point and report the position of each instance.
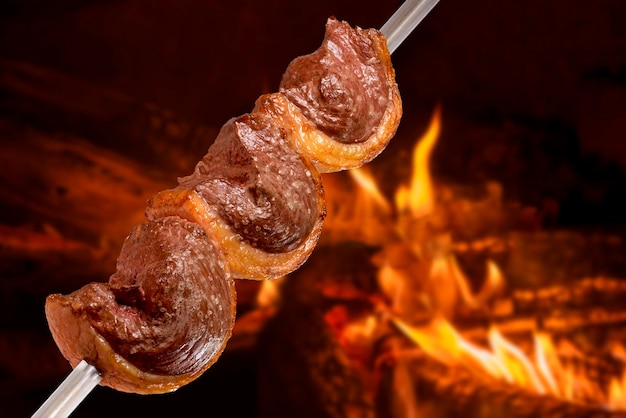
(341, 88)
(258, 183)
(164, 315)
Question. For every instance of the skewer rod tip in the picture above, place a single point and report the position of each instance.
(404, 20)
(70, 393)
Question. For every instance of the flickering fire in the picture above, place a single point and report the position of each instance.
(364, 178)
(418, 271)
(368, 204)
(446, 270)
(418, 197)
(269, 293)
(542, 373)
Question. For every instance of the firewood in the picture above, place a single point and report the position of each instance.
(444, 391)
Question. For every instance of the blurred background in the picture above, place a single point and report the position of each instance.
(105, 102)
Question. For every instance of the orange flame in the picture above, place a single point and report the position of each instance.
(617, 393)
(366, 181)
(441, 285)
(449, 287)
(361, 330)
(545, 374)
(365, 217)
(548, 363)
(494, 283)
(441, 341)
(268, 295)
(418, 197)
(512, 359)
(369, 216)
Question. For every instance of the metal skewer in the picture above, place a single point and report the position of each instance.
(404, 20)
(76, 386)
(84, 378)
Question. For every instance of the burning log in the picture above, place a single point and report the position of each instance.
(596, 291)
(552, 257)
(443, 391)
(303, 357)
(377, 376)
(589, 304)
